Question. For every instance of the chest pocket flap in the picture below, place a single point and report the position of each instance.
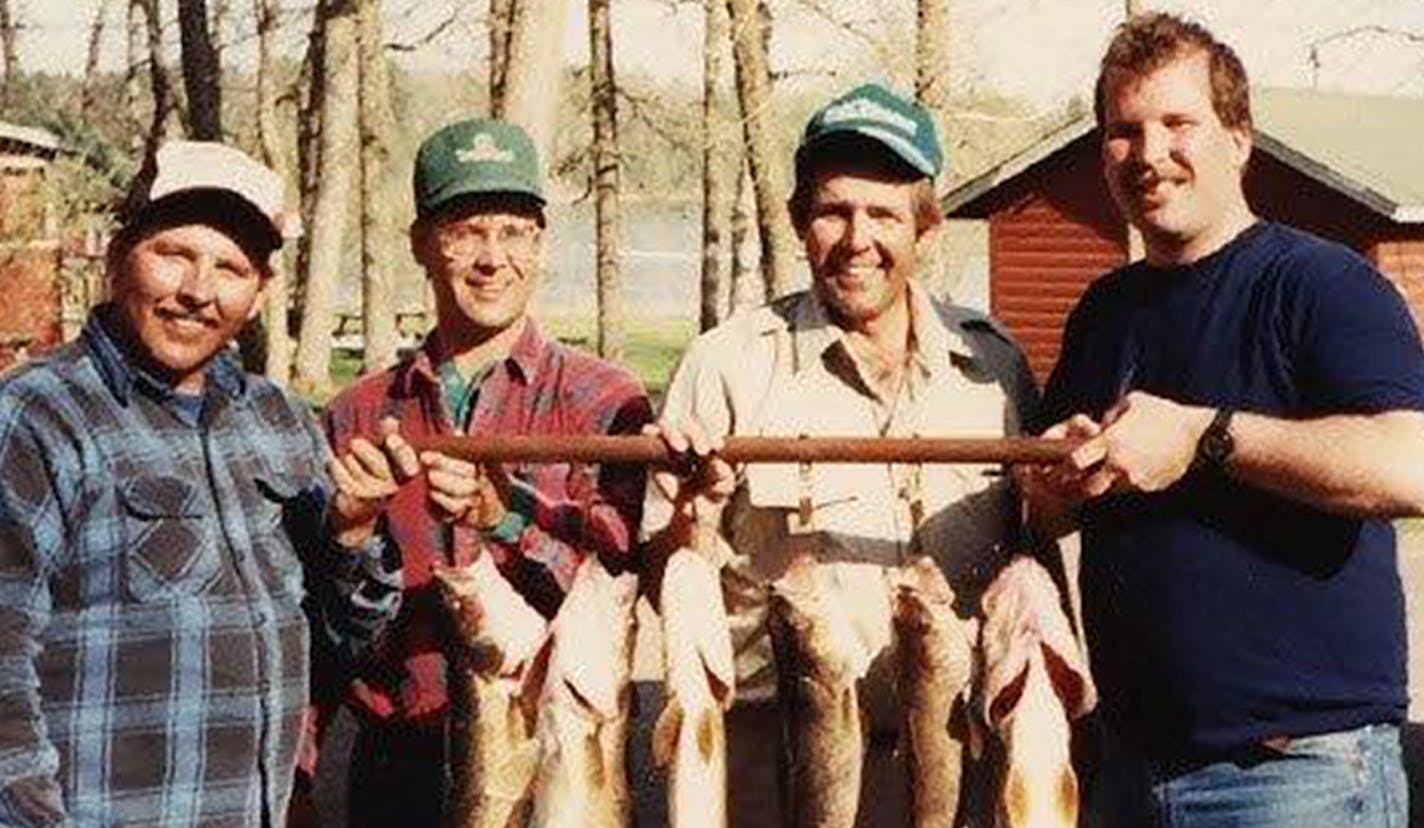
(171, 548)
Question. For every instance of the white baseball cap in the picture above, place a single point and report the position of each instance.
(183, 167)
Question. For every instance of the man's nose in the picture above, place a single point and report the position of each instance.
(1153, 144)
(199, 283)
(858, 231)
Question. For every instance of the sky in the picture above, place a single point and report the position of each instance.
(1042, 52)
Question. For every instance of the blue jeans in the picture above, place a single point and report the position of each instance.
(1350, 779)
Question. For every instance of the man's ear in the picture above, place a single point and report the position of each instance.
(1242, 144)
(419, 232)
(259, 300)
(925, 240)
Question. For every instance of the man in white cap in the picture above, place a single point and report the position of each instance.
(164, 522)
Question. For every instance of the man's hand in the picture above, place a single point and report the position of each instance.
(366, 476)
(467, 493)
(1147, 444)
(1055, 492)
(700, 492)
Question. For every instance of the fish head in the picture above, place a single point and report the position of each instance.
(496, 631)
(1039, 785)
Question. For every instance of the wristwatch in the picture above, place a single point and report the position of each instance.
(1215, 446)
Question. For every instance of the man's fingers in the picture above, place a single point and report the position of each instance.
(370, 460)
(453, 506)
(434, 460)
(1089, 454)
(407, 462)
(452, 484)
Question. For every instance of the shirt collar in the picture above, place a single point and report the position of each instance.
(932, 343)
(523, 359)
(121, 373)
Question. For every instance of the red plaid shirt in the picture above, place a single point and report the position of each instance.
(542, 387)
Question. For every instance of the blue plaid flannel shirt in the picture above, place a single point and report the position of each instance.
(161, 575)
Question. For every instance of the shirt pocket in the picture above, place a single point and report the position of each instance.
(287, 520)
(171, 546)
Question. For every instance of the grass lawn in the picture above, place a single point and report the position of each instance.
(652, 348)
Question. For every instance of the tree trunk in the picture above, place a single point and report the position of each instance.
(501, 17)
(309, 132)
(278, 350)
(534, 66)
(746, 290)
(133, 54)
(91, 57)
(201, 73)
(378, 313)
(10, 49)
(717, 152)
(749, 45)
(338, 77)
(932, 78)
(604, 104)
(160, 89)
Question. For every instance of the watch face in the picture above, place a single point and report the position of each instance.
(1216, 444)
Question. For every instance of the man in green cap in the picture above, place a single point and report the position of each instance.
(866, 351)
(485, 369)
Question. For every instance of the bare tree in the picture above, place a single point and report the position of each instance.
(278, 350)
(717, 166)
(378, 318)
(604, 103)
(745, 290)
(932, 66)
(201, 73)
(160, 87)
(749, 45)
(10, 49)
(133, 56)
(533, 68)
(91, 56)
(501, 25)
(338, 76)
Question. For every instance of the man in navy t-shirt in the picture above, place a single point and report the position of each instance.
(1249, 399)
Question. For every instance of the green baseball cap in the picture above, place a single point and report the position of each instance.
(475, 157)
(871, 111)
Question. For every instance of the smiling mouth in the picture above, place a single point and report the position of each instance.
(186, 322)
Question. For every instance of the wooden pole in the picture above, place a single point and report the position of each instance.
(602, 448)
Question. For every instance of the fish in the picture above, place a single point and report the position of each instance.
(1035, 681)
(494, 752)
(817, 670)
(690, 737)
(583, 679)
(934, 669)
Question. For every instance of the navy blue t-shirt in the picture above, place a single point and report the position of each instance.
(1219, 615)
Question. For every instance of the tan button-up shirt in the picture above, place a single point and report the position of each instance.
(785, 369)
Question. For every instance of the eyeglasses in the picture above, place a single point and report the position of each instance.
(462, 240)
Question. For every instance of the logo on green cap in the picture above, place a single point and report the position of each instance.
(484, 148)
(864, 109)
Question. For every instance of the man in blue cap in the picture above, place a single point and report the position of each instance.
(865, 351)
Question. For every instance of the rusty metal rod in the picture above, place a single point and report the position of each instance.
(602, 448)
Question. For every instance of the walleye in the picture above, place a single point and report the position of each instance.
(493, 750)
(583, 676)
(817, 671)
(1035, 681)
(935, 664)
(690, 738)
